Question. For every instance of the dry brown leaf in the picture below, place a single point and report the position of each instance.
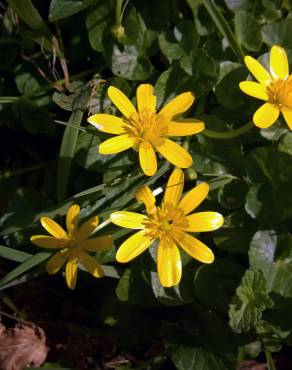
(22, 346)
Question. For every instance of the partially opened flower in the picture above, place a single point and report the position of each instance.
(72, 245)
(275, 87)
(170, 223)
(147, 130)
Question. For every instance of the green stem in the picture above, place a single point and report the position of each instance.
(119, 6)
(228, 134)
(223, 27)
(8, 174)
(270, 362)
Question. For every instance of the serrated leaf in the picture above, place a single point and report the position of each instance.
(249, 302)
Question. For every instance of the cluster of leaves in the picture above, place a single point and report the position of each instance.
(57, 60)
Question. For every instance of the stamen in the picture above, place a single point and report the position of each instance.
(280, 92)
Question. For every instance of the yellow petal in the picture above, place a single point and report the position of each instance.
(146, 196)
(266, 115)
(185, 127)
(107, 123)
(168, 263)
(178, 105)
(116, 144)
(91, 265)
(53, 228)
(71, 271)
(87, 228)
(195, 248)
(174, 188)
(98, 244)
(72, 219)
(254, 89)
(133, 246)
(287, 113)
(203, 221)
(45, 241)
(175, 154)
(147, 158)
(146, 100)
(55, 263)
(194, 198)
(120, 100)
(279, 66)
(259, 72)
(130, 220)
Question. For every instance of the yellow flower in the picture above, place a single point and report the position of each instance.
(147, 130)
(274, 87)
(169, 223)
(72, 245)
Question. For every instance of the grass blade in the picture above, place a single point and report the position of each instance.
(13, 254)
(67, 153)
(25, 266)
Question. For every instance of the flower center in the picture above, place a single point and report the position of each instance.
(280, 92)
(147, 126)
(163, 222)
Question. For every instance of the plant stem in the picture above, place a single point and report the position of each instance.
(119, 6)
(223, 27)
(270, 362)
(228, 134)
(8, 174)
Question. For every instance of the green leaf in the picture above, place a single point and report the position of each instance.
(285, 143)
(28, 264)
(232, 195)
(223, 27)
(133, 289)
(191, 358)
(27, 82)
(26, 10)
(271, 336)
(67, 150)
(236, 5)
(211, 157)
(278, 33)
(86, 154)
(271, 172)
(129, 64)
(248, 30)
(227, 90)
(179, 42)
(99, 21)
(221, 278)
(137, 32)
(35, 118)
(60, 9)
(13, 254)
(236, 233)
(250, 301)
(261, 253)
